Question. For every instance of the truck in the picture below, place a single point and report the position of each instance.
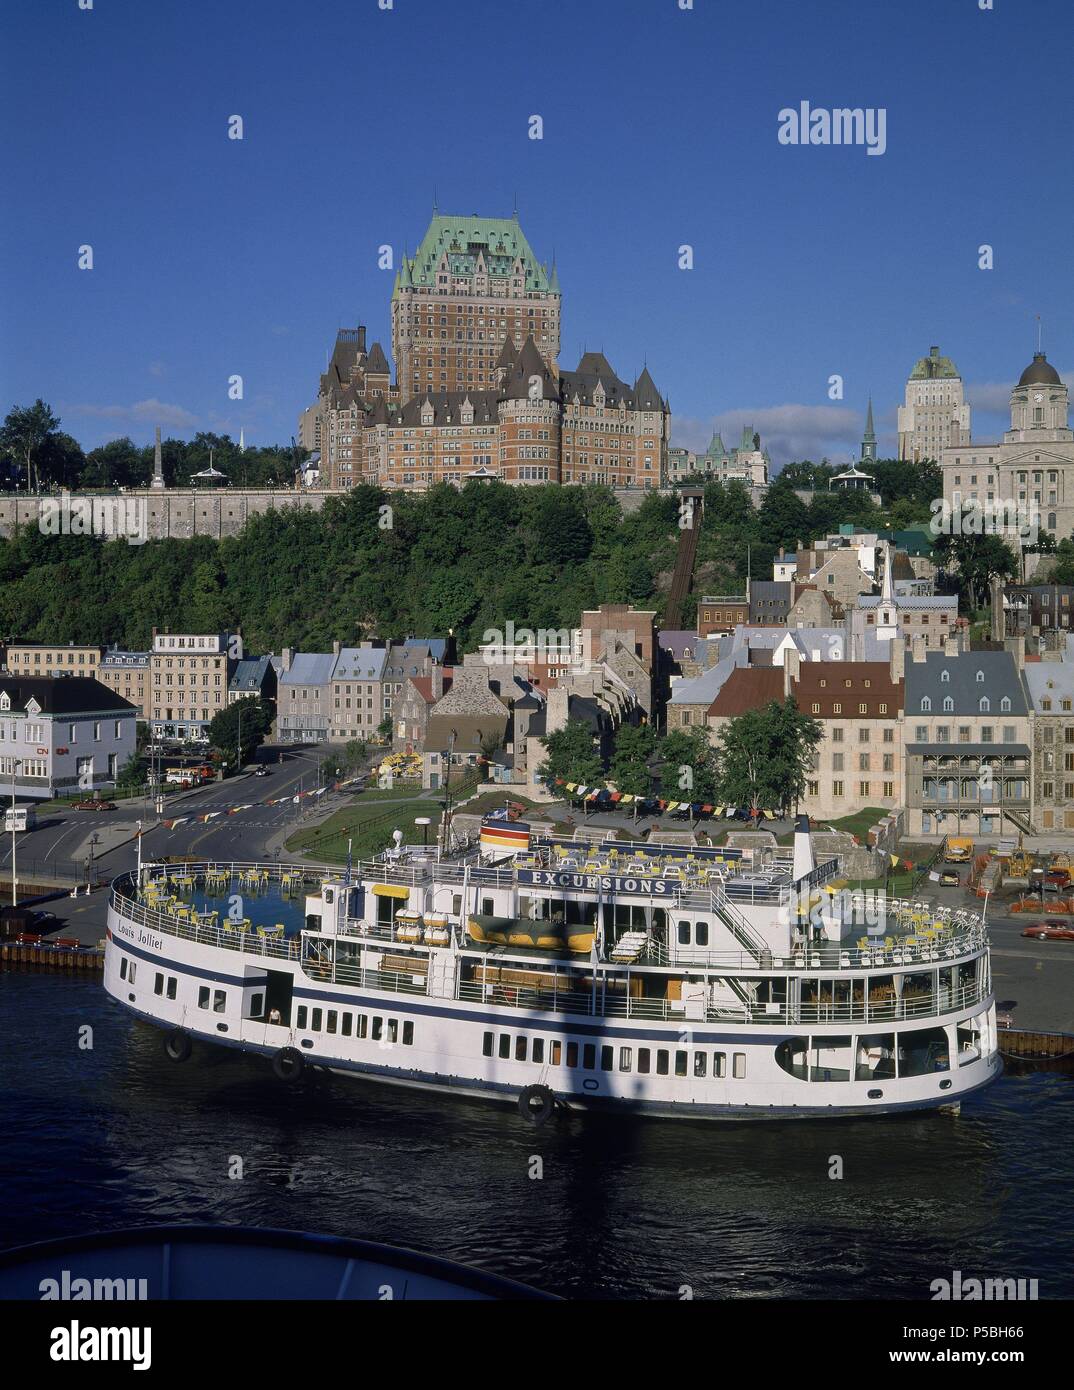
(17, 818)
(959, 850)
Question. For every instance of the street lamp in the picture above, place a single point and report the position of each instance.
(424, 822)
(16, 763)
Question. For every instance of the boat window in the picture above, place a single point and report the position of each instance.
(203, 997)
(740, 1065)
(589, 1056)
(626, 1058)
(520, 1048)
(680, 1063)
(408, 1034)
(132, 971)
(257, 1005)
(572, 1054)
(875, 1056)
(300, 1017)
(378, 1028)
(538, 1049)
(505, 1046)
(486, 907)
(393, 1030)
(684, 933)
(557, 1051)
(219, 1000)
(607, 1058)
(123, 967)
(701, 1064)
(158, 983)
(172, 984)
(701, 934)
(348, 1025)
(719, 1063)
(486, 1044)
(361, 1023)
(661, 1063)
(316, 1023)
(829, 1058)
(333, 1020)
(924, 1050)
(456, 904)
(643, 1060)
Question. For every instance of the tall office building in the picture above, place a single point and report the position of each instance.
(935, 416)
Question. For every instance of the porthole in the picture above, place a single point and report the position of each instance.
(221, 1027)
(945, 1085)
(307, 1042)
(591, 1084)
(876, 1095)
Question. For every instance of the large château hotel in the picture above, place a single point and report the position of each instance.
(479, 391)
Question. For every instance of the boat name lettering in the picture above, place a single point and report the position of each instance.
(605, 883)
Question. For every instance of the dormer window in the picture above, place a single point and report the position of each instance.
(984, 705)
(926, 704)
(948, 704)
(980, 677)
(945, 676)
(1005, 703)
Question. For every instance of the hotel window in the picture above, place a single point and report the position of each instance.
(643, 1060)
(719, 1064)
(837, 789)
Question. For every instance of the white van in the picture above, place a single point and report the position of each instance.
(20, 818)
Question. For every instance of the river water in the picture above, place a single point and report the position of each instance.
(115, 1135)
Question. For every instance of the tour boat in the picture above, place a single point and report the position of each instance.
(560, 975)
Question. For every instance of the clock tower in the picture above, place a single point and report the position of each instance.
(1039, 405)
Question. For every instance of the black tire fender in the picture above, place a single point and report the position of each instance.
(177, 1046)
(288, 1063)
(536, 1104)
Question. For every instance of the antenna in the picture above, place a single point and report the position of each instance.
(1038, 332)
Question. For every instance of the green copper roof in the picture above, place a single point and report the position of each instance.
(933, 366)
(497, 241)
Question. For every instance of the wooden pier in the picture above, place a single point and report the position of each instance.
(43, 956)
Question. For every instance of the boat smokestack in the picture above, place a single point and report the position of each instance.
(804, 862)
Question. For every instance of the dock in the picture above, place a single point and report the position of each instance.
(43, 955)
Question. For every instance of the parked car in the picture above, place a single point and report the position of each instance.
(950, 878)
(94, 804)
(1060, 877)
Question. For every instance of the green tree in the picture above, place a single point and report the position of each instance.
(635, 744)
(572, 756)
(253, 717)
(766, 755)
(690, 765)
(25, 434)
(978, 559)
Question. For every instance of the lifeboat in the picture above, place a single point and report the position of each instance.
(513, 931)
(437, 932)
(408, 926)
(580, 938)
(490, 931)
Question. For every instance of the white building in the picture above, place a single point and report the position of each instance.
(935, 416)
(1032, 469)
(62, 736)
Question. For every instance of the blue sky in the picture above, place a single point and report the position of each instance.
(214, 257)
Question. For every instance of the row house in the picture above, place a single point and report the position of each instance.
(51, 658)
(968, 737)
(189, 676)
(1051, 693)
(127, 673)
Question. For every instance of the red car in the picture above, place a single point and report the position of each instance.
(1050, 931)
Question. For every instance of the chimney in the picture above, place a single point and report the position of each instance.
(436, 682)
(898, 658)
(918, 647)
(335, 648)
(792, 667)
(558, 707)
(950, 645)
(1017, 648)
(361, 337)
(286, 657)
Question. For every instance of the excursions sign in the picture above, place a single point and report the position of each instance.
(596, 883)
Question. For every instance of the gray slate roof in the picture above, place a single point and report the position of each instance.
(999, 678)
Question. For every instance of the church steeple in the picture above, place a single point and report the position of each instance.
(868, 443)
